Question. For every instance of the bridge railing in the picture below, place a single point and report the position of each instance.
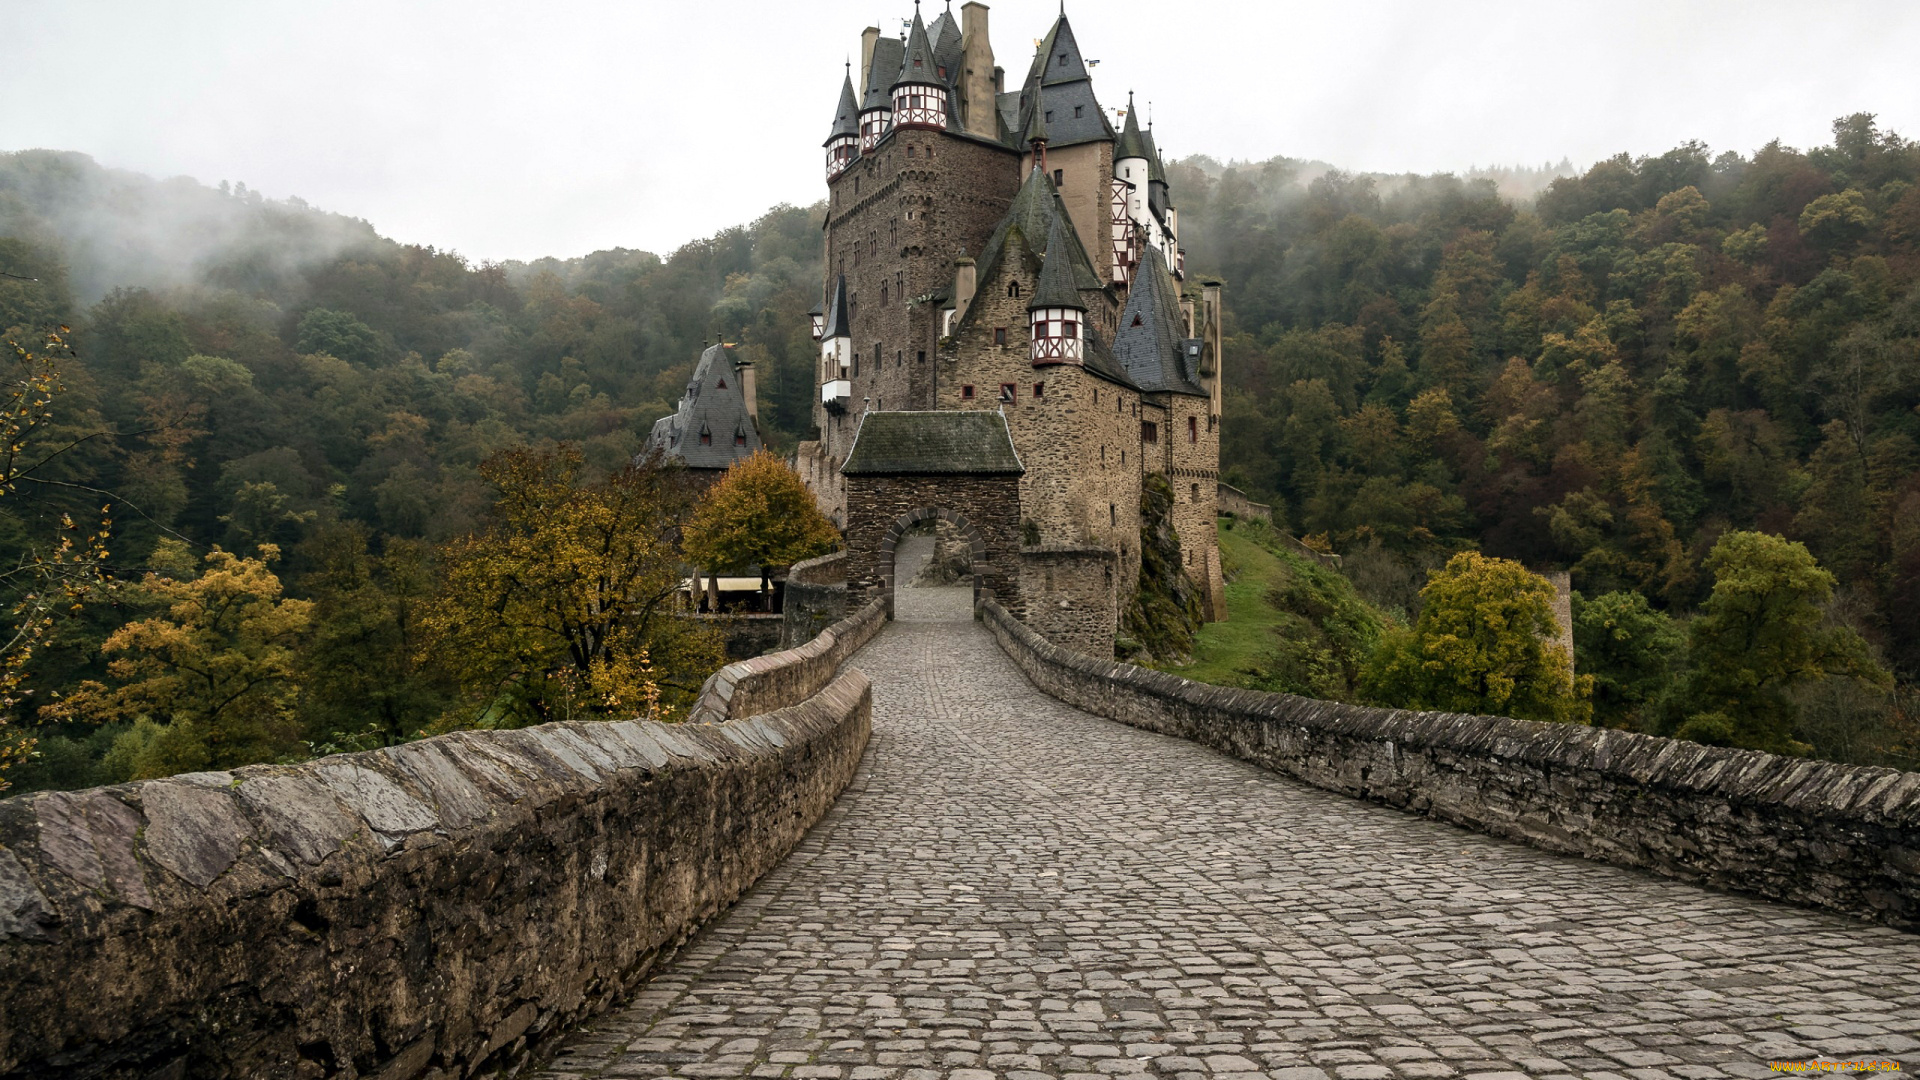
(437, 908)
(1840, 837)
(777, 680)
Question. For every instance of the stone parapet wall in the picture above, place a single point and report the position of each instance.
(828, 569)
(1840, 837)
(778, 680)
(436, 909)
(1234, 501)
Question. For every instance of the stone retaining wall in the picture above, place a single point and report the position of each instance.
(816, 598)
(429, 910)
(1840, 837)
(777, 680)
(828, 569)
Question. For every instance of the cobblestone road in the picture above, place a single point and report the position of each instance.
(1013, 888)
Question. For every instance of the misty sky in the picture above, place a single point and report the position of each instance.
(516, 130)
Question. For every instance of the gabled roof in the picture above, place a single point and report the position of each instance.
(837, 323)
(1132, 144)
(846, 117)
(1155, 352)
(882, 69)
(713, 404)
(971, 442)
(1055, 288)
(918, 65)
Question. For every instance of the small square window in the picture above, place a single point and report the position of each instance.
(999, 335)
(966, 393)
(1006, 393)
(1149, 432)
(1039, 390)
(1079, 110)
(923, 356)
(1058, 177)
(1049, 116)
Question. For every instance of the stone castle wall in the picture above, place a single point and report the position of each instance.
(1845, 838)
(1235, 502)
(437, 909)
(1072, 596)
(764, 683)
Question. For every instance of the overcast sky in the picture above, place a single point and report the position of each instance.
(515, 130)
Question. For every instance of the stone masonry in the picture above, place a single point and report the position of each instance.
(881, 508)
(1012, 888)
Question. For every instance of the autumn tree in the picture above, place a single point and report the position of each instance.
(210, 680)
(759, 514)
(562, 605)
(1761, 635)
(62, 564)
(1485, 642)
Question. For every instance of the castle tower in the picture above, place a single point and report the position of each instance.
(920, 93)
(843, 142)
(1056, 316)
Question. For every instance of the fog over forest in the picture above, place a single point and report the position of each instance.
(1603, 370)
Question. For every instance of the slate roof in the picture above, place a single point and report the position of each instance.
(945, 35)
(846, 117)
(719, 410)
(918, 64)
(881, 71)
(971, 442)
(1131, 143)
(1060, 89)
(1156, 353)
(837, 324)
(1055, 289)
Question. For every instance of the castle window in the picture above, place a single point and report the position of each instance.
(720, 385)
(899, 357)
(1190, 553)
(1079, 110)
(1039, 390)
(1006, 393)
(1058, 177)
(706, 436)
(1196, 492)
(739, 438)
(883, 293)
(1113, 514)
(1136, 318)
(1149, 432)
(999, 335)
(1193, 433)
(909, 151)
(1063, 60)
(966, 393)
(1103, 456)
(1013, 290)
(1049, 116)
(923, 356)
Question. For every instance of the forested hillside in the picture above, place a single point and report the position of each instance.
(1654, 353)
(1608, 378)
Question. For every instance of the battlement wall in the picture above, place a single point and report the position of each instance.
(1840, 837)
(433, 909)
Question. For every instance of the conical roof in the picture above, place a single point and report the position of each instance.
(846, 117)
(918, 65)
(1056, 288)
(837, 323)
(1036, 126)
(1057, 60)
(1151, 343)
(1131, 144)
(1156, 172)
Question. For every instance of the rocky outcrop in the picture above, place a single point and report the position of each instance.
(1840, 837)
(433, 909)
(1165, 611)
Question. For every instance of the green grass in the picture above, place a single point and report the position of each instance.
(1223, 651)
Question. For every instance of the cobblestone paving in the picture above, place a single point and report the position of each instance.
(1013, 888)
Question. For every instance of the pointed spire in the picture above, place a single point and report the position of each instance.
(1056, 288)
(838, 325)
(1131, 144)
(846, 116)
(1037, 125)
(918, 65)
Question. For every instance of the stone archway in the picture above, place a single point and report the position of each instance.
(906, 521)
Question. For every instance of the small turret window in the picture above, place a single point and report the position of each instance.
(1063, 60)
(966, 393)
(739, 438)
(706, 436)
(1013, 290)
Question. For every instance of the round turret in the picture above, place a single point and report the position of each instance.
(920, 93)
(843, 143)
(1057, 316)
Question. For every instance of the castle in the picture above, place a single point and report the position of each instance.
(1007, 250)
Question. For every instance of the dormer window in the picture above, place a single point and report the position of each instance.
(706, 435)
(1063, 60)
(720, 385)
(739, 438)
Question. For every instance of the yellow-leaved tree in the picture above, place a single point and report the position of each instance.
(210, 679)
(1485, 642)
(562, 605)
(759, 514)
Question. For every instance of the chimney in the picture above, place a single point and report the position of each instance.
(748, 390)
(867, 37)
(1186, 312)
(979, 78)
(963, 280)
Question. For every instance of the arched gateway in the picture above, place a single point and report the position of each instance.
(909, 467)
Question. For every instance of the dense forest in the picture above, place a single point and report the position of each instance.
(1609, 377)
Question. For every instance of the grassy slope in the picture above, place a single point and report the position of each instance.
(1222, 651)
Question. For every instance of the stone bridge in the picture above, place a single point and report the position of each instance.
(1012, 887)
